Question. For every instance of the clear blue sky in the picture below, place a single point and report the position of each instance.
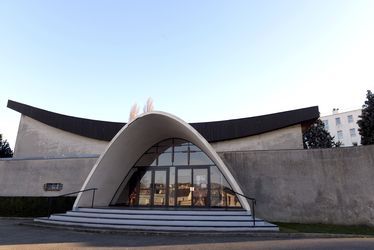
(200, 60)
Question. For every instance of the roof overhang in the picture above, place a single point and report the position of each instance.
(211, 131)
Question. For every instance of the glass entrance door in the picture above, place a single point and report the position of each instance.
(184, 187)
(159, 187)
(145, 188)
(200, 187)
(192, 187)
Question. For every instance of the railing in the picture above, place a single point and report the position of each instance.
(50, 199)
(253, 203)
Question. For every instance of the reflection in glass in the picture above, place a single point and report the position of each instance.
(159, 193)
(199, 158)
(172, 186)
(218, 196)
(180, 159)
(200, 183)
(128, 197)
(145, 188)
(148, 159)
(165, 159)
(184, 194)
(180, 145)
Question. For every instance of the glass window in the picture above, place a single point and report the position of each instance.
(152, 150)
(350, 118)
(180, 159)
(159, 188)
(337, 121)
(194, 148)
(326, 123)
(199, 158)
(184, 192)
(145, 188)
(200, 190)
(220, 195)
(165, 159)
(340, 135)
(352, 132)
(180, 145)
(147, 160)
(172, 186)
(186, 177)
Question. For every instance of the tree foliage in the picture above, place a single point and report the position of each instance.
(318, 137)
(366, 123)
(5, 150)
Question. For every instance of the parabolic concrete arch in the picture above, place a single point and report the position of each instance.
(129, 145)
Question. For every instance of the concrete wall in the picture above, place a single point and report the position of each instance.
(308, 186)
(286, 138)
(27, 177)
(36, 139)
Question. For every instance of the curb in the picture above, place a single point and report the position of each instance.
(254, 234)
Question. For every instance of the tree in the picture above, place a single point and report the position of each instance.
(5, 150)
(318, 137)
(366, 123)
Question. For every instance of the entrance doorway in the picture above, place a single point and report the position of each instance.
(175, 173)
(151, 188)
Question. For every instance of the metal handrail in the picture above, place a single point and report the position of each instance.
(253, 203)
(67, 194)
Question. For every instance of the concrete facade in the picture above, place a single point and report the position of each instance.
(129, 145)
(27, 177)
(302, 186)
(36, 139)
(285, 138)
(332, 186)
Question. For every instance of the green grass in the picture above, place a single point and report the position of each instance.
(324, 228)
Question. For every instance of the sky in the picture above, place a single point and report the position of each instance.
(199, 60)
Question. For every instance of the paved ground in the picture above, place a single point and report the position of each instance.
(15, 236)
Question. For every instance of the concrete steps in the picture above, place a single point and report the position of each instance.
(161, 220)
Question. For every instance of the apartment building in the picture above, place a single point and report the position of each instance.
(343, 126)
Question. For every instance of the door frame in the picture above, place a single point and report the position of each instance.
(192, 168)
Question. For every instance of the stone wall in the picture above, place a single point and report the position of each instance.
(334, 186)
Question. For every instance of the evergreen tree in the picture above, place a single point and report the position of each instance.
(318, 137)
(366, 124)
(5, 150)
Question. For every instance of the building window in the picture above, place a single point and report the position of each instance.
(326, 122)
(352, 132)
(52, 187)
(340, 135)
(350, 118)
(337, 121)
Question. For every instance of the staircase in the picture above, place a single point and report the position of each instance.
(161, 220)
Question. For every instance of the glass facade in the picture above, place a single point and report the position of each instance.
(176, 173)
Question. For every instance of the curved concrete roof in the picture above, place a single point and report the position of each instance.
(211, 131)
(129, 145)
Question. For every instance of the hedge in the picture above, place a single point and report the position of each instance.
(34, 206)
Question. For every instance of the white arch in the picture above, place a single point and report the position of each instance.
(129, 145)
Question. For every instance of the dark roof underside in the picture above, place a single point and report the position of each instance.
(212, 131)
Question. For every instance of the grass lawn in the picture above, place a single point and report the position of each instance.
(323, 228)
